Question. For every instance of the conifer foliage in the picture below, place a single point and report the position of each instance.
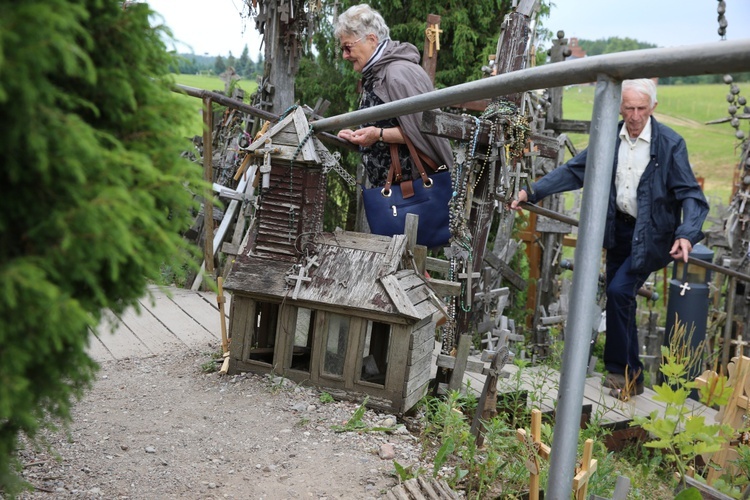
(94, 194)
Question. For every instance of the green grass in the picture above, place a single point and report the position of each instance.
(686, 109)
(195, 125)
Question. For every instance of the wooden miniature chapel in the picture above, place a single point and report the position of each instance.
(343, 311)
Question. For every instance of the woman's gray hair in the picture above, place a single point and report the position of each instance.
(645, 86)
(361, 20)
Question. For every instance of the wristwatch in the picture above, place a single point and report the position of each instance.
(381, 135)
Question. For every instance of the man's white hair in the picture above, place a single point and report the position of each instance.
(645, 86)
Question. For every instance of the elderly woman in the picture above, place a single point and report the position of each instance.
(390, 71)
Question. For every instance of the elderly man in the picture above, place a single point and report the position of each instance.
(656, 210)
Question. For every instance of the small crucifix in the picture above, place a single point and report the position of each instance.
(300, 277)
(433, 36)
(312, 263)
(535, 449)
(588, 467)
(468, 276)
(683, 288)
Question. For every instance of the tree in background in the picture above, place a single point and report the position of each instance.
(93, 198)
(219, 65)
(611, 45)
(232, 61)
(245, 64)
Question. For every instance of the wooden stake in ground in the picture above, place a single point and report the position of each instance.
(535, 449)
(220, 299)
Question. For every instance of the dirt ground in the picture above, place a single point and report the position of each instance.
(161, 428)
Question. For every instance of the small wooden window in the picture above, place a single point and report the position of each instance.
(303, 339)
(337, 335)
(375, 353)
(264, 332)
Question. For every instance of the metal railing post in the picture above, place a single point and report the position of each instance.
(597, 181)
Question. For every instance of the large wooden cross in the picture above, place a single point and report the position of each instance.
(733, 412)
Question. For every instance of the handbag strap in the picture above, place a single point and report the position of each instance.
(394, 172)
(426, 181)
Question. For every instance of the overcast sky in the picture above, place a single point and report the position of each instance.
(216, 27)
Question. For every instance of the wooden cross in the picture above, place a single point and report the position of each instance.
(588, 467)
(740, 343)
(537, 449)
(300, 277)
(487, 405)
(433, 36)
(684, 287)
(733, 413)
(468, 276)
(530, 152)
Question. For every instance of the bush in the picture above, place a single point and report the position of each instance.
(93, 194)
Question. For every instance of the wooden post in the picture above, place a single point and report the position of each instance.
(588, 467)
(510, 57)
(431, 45)
(459, 368)
(208, 173)
(487, 407)
(558, 52)
(535, 449)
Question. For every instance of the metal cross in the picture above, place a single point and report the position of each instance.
(684, 287)
(433, 35)
(300, 277)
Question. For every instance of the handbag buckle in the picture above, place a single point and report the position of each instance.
(395, 212)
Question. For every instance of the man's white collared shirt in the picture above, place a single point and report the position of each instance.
(632, 160)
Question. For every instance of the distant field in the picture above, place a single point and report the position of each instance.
(686, 109)
(214, 83)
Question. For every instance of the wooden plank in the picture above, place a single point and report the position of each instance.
(198, 308)
(445, 288)
(183, 327)
(437, 265)
(150, 330)
(308, 149)
(119, 339)
(412, 486)
(96, 349)
(399, 298)
(462, 355)
(210, 297)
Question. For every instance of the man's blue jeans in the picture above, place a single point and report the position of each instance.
(621, 348)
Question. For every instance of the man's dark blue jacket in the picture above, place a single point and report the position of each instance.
(671, 204)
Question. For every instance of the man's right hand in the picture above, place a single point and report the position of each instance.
(516, 204)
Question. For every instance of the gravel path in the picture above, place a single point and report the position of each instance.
(160, 428)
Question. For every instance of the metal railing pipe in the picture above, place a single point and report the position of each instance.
(708, 58)
(597, 180)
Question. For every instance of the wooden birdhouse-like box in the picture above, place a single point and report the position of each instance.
(340, 310)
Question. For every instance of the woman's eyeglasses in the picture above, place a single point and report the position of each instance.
(347, 47)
